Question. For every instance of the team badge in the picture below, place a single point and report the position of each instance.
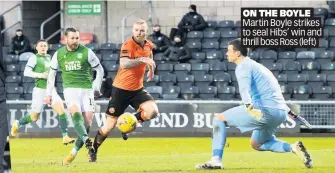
(79, 55)
(112, 110)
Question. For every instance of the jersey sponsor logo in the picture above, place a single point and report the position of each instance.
(125, 51)
(72, 66)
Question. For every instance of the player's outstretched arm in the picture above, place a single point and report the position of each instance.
(95, 64)
(151, 68)
(28, 71)
(126, 57)
(126, 62)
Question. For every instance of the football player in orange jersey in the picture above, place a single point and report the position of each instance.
(135, 56)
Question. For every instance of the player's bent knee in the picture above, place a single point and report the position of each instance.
(34, 117)
(255, 145)
(151, 110)
(59, 108)
(220, 117)
(153, 113)
(73, 109)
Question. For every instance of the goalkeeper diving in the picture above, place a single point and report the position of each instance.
(263, 110)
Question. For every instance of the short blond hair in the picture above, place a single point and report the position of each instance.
(141, 22)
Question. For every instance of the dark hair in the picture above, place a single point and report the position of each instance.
(70, 29)
(41, 41)
(193, 7)
(238, 46)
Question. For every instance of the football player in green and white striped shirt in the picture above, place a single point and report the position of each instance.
(76, 63)
(38, 68)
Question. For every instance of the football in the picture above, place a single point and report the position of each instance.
(126, 122)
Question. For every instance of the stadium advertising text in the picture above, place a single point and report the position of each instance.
(173, 118)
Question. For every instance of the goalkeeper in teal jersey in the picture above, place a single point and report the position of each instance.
(76, 63)
(263, 110)
(38, 67)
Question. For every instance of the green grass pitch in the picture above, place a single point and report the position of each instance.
(167, 155)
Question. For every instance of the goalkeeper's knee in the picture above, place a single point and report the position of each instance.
(255, 145)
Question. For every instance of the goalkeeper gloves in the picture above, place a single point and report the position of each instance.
(300, 119)
(256, 113)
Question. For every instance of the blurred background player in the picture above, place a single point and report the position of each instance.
(38, 67)
(263, 110)
(135, 56)
(76, 63)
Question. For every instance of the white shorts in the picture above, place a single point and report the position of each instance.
(82, 98)
(38, 102)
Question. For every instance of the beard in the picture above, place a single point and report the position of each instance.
(140, 38)
(73, 46)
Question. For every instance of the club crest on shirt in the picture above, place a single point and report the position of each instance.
(112, 110)
(79, 55)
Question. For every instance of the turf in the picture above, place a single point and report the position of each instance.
(168, 155)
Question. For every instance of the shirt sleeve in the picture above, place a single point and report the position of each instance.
(126, 50)
(243, 76)
(93, 60)
(54, 62)
(31, 62)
